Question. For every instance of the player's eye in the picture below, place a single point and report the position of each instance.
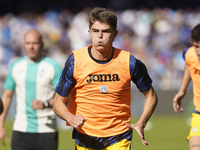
(107, 31)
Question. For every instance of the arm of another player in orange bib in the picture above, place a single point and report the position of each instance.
(150, 104)
(59, 107)
(181, 93)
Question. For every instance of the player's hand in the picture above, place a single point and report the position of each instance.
(3, 135)
(37, 104)
(76, 121)
(177, 102)
(140, 130)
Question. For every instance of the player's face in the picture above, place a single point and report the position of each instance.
(102, 36)
(197, 48)
(33, 46)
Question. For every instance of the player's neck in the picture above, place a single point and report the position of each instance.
(104, 55)
(33, 60)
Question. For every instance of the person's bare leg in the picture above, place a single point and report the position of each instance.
(194, 143)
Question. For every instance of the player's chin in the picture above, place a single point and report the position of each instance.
(100, 48)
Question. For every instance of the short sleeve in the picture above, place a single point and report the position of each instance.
(66, 81)
(139, 74)
(10, 83)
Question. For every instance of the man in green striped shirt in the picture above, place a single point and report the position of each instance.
(34, 78)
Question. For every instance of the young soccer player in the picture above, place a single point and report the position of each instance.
(97, 78)
(192, 71)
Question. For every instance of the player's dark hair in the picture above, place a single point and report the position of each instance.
(104, 16)
(195, 34)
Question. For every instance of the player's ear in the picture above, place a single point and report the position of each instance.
(89, 33)
(115, 33)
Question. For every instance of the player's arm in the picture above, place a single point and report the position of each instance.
(62, 111)
(182, 90)
(150, 104)
(60, 108)
(63, 89)
(6, 98)
(140, 76)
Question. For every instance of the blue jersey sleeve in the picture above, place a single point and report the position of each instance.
(184, 52)
(139, 74)
(66, 81)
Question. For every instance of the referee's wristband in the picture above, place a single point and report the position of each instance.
(46, 105)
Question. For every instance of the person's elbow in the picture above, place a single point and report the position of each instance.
(156, 100)
(57, 103)
(54, 105)
(155, 97)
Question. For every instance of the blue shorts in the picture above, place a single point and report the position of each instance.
(98, 143)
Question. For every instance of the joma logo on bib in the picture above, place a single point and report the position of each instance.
(102, 78)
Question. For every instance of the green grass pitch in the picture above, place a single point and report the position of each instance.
(164, 132)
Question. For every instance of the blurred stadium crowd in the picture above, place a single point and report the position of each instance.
(156, 36)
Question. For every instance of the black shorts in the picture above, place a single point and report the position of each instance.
(34, 141)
